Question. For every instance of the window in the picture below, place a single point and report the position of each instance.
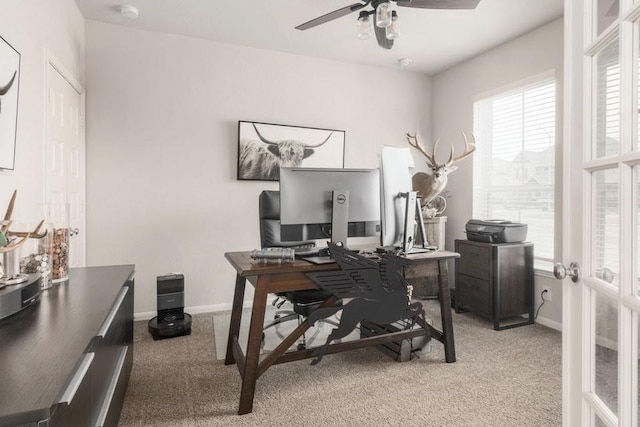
(514, 163)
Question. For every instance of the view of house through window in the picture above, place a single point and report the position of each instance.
(514, 163)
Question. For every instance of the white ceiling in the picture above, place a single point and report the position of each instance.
(433, 39)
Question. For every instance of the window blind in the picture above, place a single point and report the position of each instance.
(514, 163)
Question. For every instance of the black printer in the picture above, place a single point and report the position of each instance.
(495, 231)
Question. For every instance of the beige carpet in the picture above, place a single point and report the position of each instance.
(506, 378)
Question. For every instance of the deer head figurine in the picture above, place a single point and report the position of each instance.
(429, 186)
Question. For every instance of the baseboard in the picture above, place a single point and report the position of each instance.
(214, 308)
(549, 323)
(147, 315)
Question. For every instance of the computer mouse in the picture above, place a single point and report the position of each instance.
(323, 252)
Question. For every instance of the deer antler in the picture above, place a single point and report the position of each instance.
(32, 234)
(7, 215)
(14, 245)
(469, 147)
(431, 158)
(6, 224)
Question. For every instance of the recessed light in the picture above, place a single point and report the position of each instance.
(129, 11)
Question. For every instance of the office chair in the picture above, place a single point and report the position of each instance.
(304, 302)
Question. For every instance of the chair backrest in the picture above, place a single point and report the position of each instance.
(269, 213)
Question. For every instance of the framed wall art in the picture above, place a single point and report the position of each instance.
(264, 147)
(9, 82)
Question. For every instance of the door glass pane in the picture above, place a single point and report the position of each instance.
(606, 139)
(636, 174)
(637, 79)
(608, 11)
(606, 220)
(606, 351)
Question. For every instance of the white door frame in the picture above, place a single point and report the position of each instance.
(54, 62)
(572, 195)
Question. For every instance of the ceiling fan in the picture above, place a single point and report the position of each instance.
(385, 25)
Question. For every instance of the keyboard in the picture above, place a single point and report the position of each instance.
(305, 250)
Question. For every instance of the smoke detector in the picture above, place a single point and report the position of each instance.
(404, 62)
(129, 11)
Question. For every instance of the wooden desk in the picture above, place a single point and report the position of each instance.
(272, 277)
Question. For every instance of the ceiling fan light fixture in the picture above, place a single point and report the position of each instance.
(364, 26)
(393, 31)
(383, 15)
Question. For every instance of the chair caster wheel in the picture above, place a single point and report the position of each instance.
(302, 346)
(277, 316)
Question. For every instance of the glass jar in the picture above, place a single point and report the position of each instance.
(57, 214)
(35, 256)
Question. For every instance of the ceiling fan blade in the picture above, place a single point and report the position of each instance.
(439, 4)
(331, 16)
(381, 36)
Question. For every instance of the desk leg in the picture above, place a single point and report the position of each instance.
(445, 311)
(253, 346)
(236, 317)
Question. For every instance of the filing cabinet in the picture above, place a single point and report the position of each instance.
(495, 281)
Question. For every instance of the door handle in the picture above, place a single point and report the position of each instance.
(573, 271)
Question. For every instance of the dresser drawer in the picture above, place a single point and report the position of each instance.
(74, 407)
(474, 294)
(474, 260)
(111, 367)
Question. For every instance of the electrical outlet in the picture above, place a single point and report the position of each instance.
(547, 295)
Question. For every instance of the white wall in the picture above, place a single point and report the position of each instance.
(162, 145)
(453, 93)
(31, 27)
(162, 116)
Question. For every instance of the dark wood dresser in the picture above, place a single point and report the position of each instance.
(66, 360)
(495, 281)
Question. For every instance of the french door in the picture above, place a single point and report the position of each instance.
(601, 311)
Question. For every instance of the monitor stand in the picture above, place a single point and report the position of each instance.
(339, 225)
(340, 217)
(412, 210)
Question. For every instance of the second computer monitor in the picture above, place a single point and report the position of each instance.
(329, 203)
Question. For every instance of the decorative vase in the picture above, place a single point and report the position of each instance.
(35, 257)
(57, 215)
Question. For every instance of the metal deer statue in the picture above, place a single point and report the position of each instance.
(429, 186)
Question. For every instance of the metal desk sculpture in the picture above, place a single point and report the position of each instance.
(377, 291)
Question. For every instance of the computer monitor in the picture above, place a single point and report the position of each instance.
(399, 202)
(329, 203)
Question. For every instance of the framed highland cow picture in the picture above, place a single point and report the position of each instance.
(9, 79)
(263, 148)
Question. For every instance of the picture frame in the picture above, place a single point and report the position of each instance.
(9, 84)
(261, 149)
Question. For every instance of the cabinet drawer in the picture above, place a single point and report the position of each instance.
(110, 406)
(474, 294)
(474, 260)
(110, 347)
(74, 407)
